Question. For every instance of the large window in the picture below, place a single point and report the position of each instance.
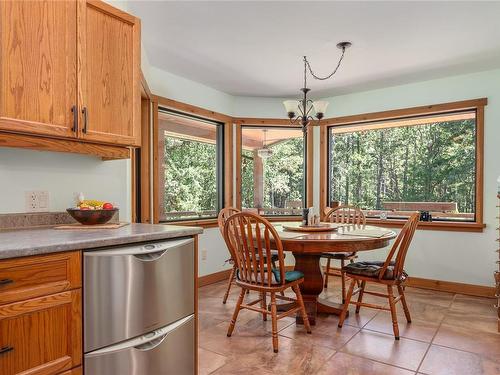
(190, 166)
(390, 168)
(272, 170)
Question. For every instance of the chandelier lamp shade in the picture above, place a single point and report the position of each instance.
(305, 111)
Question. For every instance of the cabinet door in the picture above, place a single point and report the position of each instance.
(110, 68)
(38, 67)
(41, 335)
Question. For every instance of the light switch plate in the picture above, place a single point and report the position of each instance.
(37, 201)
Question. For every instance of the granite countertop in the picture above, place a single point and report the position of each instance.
(34, 241)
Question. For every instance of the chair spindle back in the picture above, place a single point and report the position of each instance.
(249, 238)
(400, 247)
(224, 214)
(346, 215)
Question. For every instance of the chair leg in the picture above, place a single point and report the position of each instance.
(346, 304)
(342, 277)
(263, 304)
(327, 272)
(303, 311)
(235, 314)
(229, 283)
(403, 301)
(392, 305)
(274, 316)
(360, 297)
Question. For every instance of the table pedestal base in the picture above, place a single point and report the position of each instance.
(311, 288)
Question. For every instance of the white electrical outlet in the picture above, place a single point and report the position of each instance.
(37, 201)
(204, 254)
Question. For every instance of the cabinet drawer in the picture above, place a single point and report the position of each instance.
(41, 335)
(24, 278)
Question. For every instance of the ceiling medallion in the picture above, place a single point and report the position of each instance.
(300, 111)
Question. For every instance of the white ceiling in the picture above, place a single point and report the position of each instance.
(256, 48)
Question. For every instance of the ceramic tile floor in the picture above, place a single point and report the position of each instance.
(449, 334)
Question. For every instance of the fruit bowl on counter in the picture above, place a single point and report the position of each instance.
(90, 212)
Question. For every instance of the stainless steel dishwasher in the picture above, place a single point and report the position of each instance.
(139, 309)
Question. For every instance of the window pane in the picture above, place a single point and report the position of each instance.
(394, 167)
(272, 170)
(188, 169)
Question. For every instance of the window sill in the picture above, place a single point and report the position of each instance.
(204, 223)
(434, 225)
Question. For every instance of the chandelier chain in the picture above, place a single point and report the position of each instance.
(308, 66)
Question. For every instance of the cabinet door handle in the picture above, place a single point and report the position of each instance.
(74, 110)
(85, 115)
(6, 281)
(6, 349)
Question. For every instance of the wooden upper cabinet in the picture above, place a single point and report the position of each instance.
(70, 69)
(38, 66)
(110, 96)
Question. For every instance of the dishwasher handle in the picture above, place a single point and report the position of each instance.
(145, 342)
(157, 249)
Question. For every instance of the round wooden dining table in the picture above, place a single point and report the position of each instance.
(307, 248)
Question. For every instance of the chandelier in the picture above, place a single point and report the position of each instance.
(265, 151)
(300, 111)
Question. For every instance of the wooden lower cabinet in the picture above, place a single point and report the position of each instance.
(42, 336)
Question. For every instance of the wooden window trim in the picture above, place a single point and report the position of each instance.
(159, 101)
(269, 122)
(474, 104)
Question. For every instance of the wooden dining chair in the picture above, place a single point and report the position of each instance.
(224, 214)
(343, 215)
(249, 238)
(389, 272)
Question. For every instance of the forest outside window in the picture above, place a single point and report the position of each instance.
(272, 170)
(190, 167)
(391, 168)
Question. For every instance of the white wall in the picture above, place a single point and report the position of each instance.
(62, 175)
(171, 86)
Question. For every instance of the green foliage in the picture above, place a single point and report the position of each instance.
(283, 174)
(426, 163)
(190, 175)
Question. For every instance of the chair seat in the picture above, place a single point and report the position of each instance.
(371, 269)
(289, 275)
(339, 256)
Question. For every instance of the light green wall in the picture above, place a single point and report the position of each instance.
(452, 256)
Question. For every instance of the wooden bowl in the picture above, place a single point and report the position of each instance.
(92, 217)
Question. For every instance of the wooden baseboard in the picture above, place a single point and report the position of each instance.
(449, 286)
(452, 287)
(416, 282)
(213, 278)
